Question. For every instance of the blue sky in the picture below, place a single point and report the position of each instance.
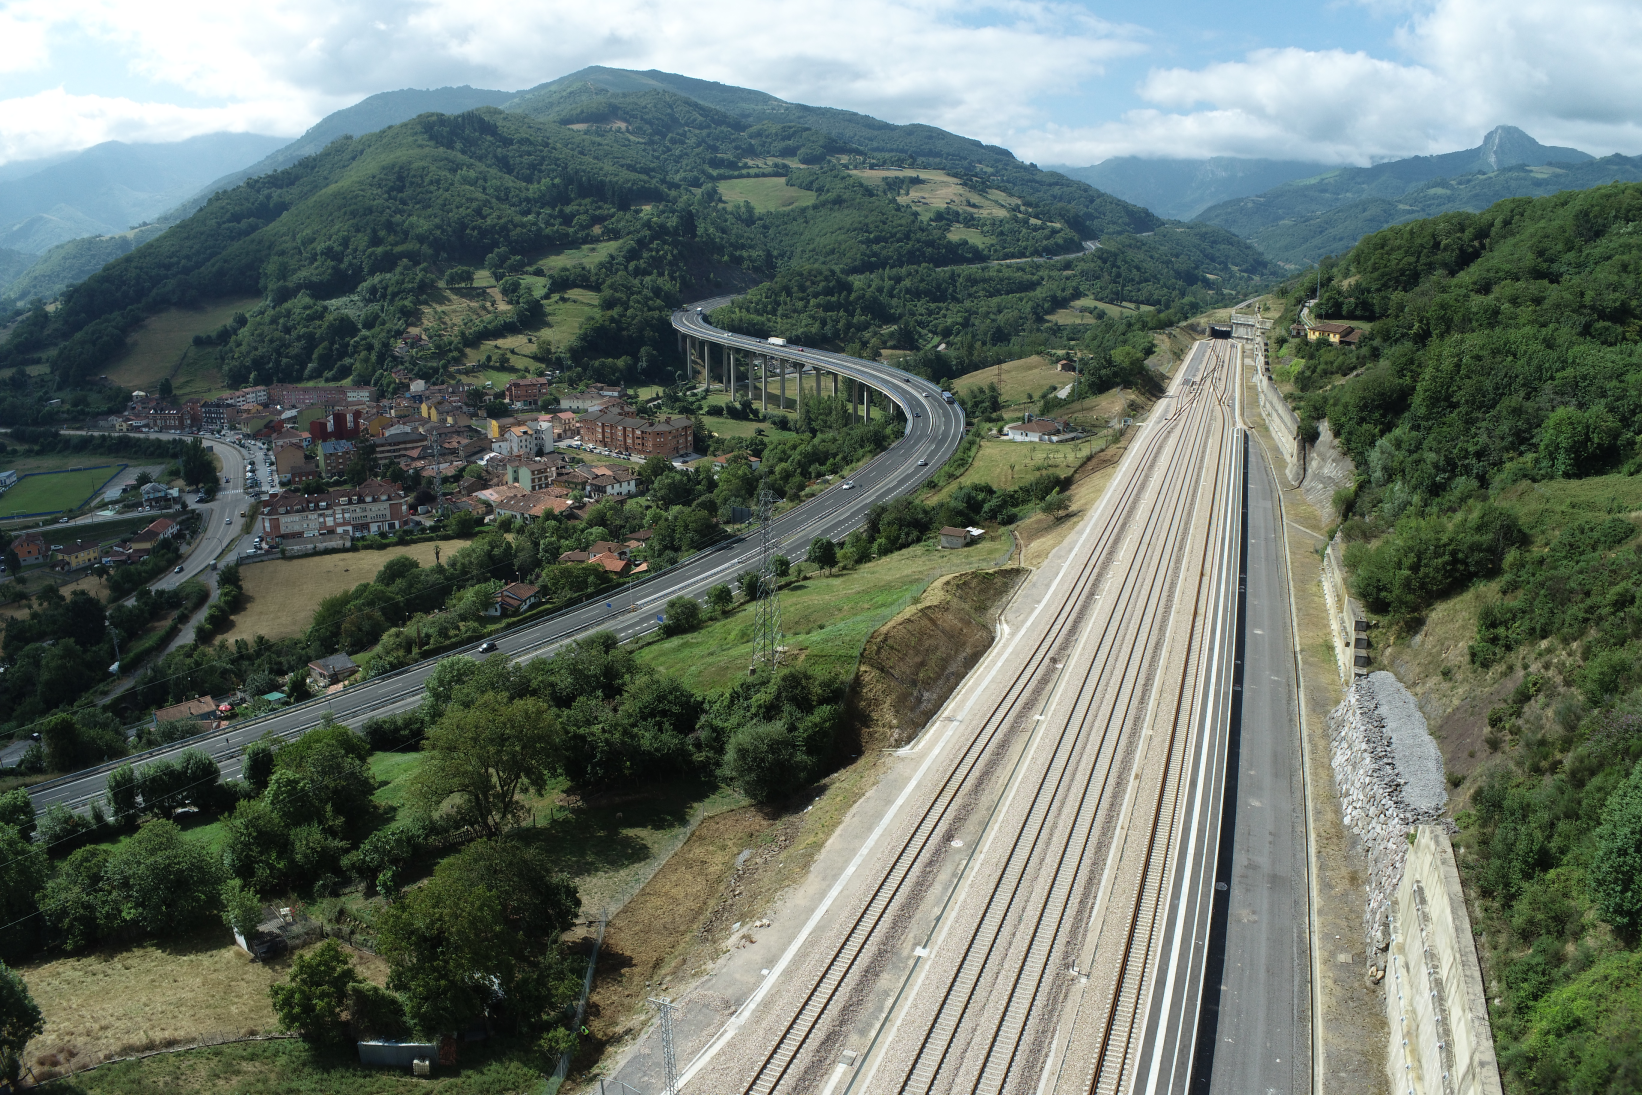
(1057, 81)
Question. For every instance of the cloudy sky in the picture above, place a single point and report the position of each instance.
(1057, 81)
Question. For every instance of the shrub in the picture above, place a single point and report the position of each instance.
(681, 614)
(1616, 866)
(311, 1001)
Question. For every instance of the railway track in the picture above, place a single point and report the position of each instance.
(1117, 667)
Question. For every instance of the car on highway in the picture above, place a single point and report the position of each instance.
(923, 463)
(177, 569)
(917, 414)
(487, 647)
(847, 485)
(227, 520)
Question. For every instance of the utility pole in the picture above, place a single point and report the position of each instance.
(669, 1060)
(767, 608)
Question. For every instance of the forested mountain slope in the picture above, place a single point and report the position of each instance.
(1492, 414)
(1301, 220)
(1085, 210)
(347, 246)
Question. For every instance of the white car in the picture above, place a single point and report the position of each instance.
(847, 485)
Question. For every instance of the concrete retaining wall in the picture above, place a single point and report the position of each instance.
(1436, 1007)
(1343, 612)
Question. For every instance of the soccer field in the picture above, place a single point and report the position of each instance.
(54, 493)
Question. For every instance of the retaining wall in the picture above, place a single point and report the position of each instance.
(1435, 1003)
(1343, 612)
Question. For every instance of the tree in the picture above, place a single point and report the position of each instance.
(489, 921)
(311, 1001)
(749, 582)
(681, 614)
(459, 275)
(160, 881)
(1616, 867)
(20, 1020)
(241, 909)
(122, 794)
(1055, 505)
(720, 598)
(362, 465)
(823, 553)
(74, 903)
(258, 764)
(781, 565)
(479, 757)
(62, 741)
(443, 951)
(17, 810)
(22, 873)
(763, 762)
(198, 468)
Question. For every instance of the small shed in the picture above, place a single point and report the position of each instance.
(954, 537)
(332, 669)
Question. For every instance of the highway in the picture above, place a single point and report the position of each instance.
(931, 436)
(1032, 912)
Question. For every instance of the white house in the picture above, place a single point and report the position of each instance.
(1040, 429)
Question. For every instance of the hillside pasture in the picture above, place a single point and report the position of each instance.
(1021, 381)
(766, 195)
(161, 343)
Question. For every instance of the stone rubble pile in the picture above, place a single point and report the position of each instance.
(1389, 774)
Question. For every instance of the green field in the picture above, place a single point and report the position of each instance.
(743, 427)
(57, 493)
(766, 195)
(825, 620)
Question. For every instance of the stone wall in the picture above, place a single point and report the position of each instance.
(1436, 1006)
(1389, 774)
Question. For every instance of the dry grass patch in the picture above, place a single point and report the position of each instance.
(117, 1003)
(281, 594)
(938, 189)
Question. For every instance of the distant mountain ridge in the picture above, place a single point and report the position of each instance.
(1301, 220)
(110, 187)
(366, 116)
(1181, 189)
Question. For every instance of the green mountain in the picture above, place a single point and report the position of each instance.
(1182, 189)
(366, 116)
(1087, 211)
(44, 276)
(346, 246)
(1302, 220)
(1492, 416)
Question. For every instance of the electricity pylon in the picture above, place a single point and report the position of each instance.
(767, 608)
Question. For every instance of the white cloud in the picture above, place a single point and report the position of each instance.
(965, 64)
(1569, 74)
(51, 121)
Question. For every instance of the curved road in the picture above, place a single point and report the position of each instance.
(932, 435)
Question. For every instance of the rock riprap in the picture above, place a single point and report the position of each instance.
(1389, 773)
